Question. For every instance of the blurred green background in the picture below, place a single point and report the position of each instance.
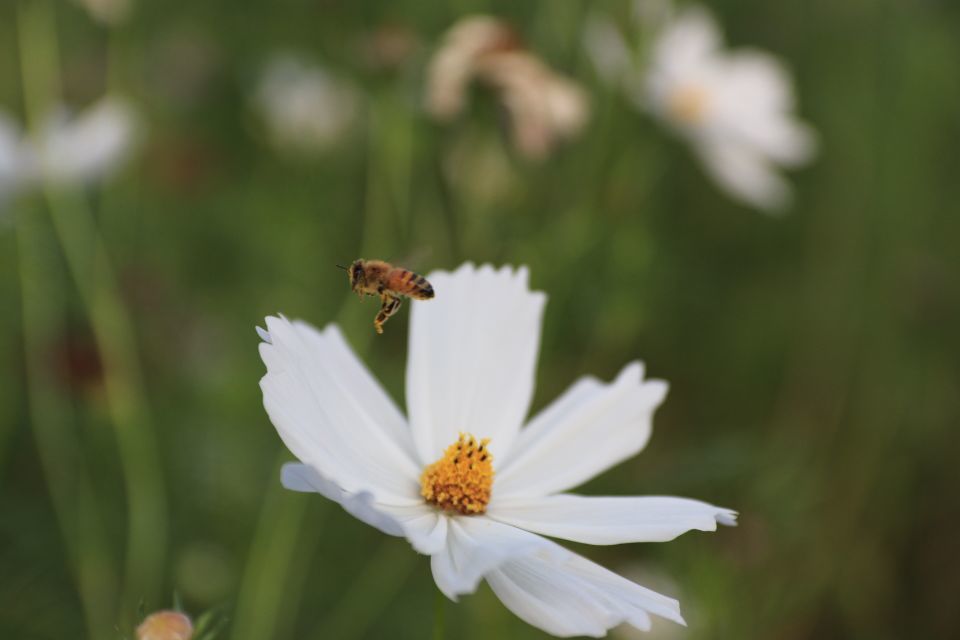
(814, 359)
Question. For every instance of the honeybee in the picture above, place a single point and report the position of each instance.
(379, 278)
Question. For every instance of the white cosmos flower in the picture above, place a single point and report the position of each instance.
(67, 150)
(477, 511)
(304, 107)
(86, 147)
(735, 108)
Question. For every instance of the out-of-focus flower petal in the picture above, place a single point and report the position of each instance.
(454, 65)
(108, 12)
(734, 107)
(544, 107)
(747, 176)
(305, 107)
(89, 146)
(692, 37)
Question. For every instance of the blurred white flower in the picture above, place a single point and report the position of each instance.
(108, 12)
(476, 504)
(65, 149)
(544, 107)
(304, 107)
(86, 147)
(735, 108)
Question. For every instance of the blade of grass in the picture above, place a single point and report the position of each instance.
(52, 423)
(266, 578)
(373, 589)
(112, 327)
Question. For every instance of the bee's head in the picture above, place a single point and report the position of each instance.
(355, 273)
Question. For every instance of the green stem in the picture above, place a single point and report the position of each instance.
(439, 605)
(112, 328)
(266, 579)
(52, 423)
(137, 443)
(382, 577)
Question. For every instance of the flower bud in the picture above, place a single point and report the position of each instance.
(165, 625)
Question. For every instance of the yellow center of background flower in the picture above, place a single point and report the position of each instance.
(688, 105)
(461, 480)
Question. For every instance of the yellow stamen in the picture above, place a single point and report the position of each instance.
(461, 480)
(689, 104)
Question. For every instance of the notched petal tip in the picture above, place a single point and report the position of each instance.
(727, 517)
(264, 335)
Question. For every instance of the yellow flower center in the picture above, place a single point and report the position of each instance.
(688, 105)
(461, 479)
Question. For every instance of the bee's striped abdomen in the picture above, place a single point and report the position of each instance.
(410, 284)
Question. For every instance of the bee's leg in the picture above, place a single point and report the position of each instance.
(388, 307)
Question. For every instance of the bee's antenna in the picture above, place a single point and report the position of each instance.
(340, 266)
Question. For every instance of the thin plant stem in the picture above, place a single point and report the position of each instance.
(112, 328)
(270, 564)
(439, 607)
(138, 447)
(266, 574)
(53, 426)
(382, 577)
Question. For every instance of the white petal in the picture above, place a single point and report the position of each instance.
(301, 477)
(590, 428)
(472, 355)
(686, 41)
(752, 102)
(567, 595)
(475, 546)
(89, 146)
(746, 176)
(419, 523)
(333, 415)
(609, 520)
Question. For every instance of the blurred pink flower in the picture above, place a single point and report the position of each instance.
(543, 106)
